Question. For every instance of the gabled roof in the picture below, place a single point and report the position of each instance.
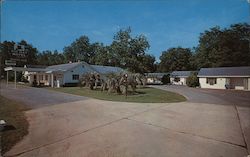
(106, 69)
(181, 73)
(69, 66)
(225, 71)
(63, 67)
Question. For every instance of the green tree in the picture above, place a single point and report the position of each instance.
(165, 79)
(31, 57)
(175, 59)
(129, 52)
(224, 47)
(50, 58)
(102, 55)
(80, 49)
(147, 64)
(192, 80)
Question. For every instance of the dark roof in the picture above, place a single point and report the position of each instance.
(225, 71)
(181, 73)
(107, 69)
(160, 75)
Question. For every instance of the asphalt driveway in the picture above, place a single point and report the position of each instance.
(211, 96)
(37, 97)
(79, 126)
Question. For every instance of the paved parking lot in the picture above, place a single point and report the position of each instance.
(79, 126)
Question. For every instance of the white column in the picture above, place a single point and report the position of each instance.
(38, 79)
(7, 78)
(15, 79)
(52, 80)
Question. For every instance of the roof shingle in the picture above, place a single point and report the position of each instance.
(181, 73)
(225, 71)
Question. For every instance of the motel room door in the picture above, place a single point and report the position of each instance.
(59, 77)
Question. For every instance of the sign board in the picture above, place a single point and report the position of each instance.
(19, 53)
(10, 62)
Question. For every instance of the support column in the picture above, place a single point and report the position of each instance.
(38, 78)
(52, 80)
(7, 81)
(15, 79)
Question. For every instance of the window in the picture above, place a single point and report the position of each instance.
(46, 77)
(75, 77)
(211, 81)
(176, 79)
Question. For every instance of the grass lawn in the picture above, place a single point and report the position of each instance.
(143, 95)
(17, 125)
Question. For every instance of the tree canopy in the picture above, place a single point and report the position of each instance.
(80, 49)
(175, 59)
(125, 51)
(224, 47)
(217, 48)
(130, 52)
(50, 58)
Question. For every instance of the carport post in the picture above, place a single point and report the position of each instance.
(52, 80)
(15, 79)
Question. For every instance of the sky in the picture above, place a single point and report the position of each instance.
(52, 25)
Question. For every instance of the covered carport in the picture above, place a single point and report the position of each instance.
(23, 69)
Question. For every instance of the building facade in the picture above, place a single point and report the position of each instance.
(65, 74)
(225, 78)
(179, 77)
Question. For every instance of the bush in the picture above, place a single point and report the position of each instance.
(34, 83)
(71, 85)
(165, 79)
(192, 80)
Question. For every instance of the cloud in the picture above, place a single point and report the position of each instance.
(97, 33)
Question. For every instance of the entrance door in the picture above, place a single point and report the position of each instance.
(34, 78)
(59, 77)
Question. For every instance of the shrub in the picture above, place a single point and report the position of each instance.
(165, 79)
(192, 80)
(34, 83)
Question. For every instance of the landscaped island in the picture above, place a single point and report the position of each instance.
(142, 95)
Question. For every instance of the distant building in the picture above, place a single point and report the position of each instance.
(179, 77)
(155, 78)
(225, 78)
(62, 74)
